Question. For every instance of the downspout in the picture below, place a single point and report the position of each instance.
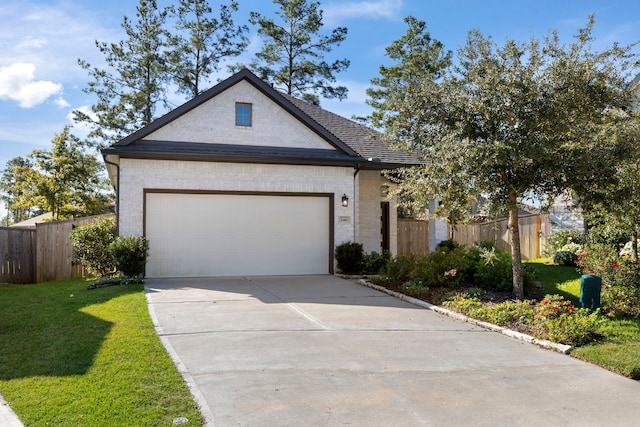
(355, 199)
(117, 188)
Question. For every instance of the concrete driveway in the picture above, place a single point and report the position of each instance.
(318, 350)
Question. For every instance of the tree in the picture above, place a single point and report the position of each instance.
(66, 181)
(616, 202)
(12, 189)
(135, 79)
(292, 55)
(513, 121)
(200, 43)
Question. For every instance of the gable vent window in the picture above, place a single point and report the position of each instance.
(243, 114)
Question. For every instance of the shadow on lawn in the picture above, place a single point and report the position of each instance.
(43, 331)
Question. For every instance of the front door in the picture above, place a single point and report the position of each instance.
(384, 226)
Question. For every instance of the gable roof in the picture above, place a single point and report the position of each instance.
(354, 143)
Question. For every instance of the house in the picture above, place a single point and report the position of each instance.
(32, 222)
(245, 180)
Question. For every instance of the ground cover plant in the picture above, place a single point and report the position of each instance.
(72, 356)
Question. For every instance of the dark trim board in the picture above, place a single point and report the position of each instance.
(330, 196)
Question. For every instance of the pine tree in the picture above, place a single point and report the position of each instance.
(134, 83)
(201, 43)
(292, 55)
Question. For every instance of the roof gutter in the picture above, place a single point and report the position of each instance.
(117, 188)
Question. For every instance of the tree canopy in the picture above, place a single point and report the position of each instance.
(292, 54)
(66, 180)
(504, 121)
(201, 42)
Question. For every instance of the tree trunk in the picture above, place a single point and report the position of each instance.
(516, 255)
(634, 245)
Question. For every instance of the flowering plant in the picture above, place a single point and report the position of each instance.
(552, 307)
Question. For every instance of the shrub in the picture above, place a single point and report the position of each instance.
(554, 318)
(490, 268)
(560, 238)
(565, 258)
(399, 269)
(91, 245)
(577, 328)
(350, 257)
(440, 268)
(130, 254)
(447, 245)
(375, 263)
(620, 278)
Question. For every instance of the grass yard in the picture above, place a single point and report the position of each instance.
(619, 350)
(70, 356)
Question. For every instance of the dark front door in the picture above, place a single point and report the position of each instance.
(384, 225)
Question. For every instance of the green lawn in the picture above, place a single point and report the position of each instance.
(619, 350)
(70, 356)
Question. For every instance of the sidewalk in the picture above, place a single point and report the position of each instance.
(8, 418)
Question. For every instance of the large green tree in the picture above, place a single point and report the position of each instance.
(293, 52)
(615, 202)
(67, 180)
(12, 188)
(134, 81)
(200, 42)
(514, 120)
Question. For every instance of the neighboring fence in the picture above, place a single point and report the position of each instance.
(413, 237)
(43, 254)
(534, 230)
(17, 255)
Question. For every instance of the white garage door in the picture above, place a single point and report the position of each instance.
(193, 235)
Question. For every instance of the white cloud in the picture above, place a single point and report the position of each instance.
(370, 9)
(17, 83)
(82, 129)
(61, 102)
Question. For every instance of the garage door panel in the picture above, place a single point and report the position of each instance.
(228, 235)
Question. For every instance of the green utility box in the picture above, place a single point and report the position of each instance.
(590, 286)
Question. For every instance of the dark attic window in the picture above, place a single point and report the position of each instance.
(243, 114)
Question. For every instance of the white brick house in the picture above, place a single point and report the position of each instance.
(244, 180)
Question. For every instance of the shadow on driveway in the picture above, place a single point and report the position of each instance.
(319, 350)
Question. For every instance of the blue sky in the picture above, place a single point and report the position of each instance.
(41, 40)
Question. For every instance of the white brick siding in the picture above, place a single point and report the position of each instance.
(214, 122)
(368, 212)
(137, 175)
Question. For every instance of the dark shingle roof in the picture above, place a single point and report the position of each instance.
(354, 143)
(367, 142)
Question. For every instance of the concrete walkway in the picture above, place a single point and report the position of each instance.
(318, 350)
(8, 418)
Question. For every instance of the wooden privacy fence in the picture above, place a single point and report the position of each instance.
(40, 255)
(17, 255)
(413, 237)
(534, 230)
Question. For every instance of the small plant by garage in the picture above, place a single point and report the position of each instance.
(112, 259)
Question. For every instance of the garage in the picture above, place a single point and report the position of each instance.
(235, 234)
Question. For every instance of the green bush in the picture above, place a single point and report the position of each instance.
(490, 268)
(129, 254)
(620, 278)
(448, 245)
(91, 245)
(441, 268)
(560, 238)
(399, 269)
(350, 257)
(565, 258)
(577, 328)
(375, 263)
(554, 318)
